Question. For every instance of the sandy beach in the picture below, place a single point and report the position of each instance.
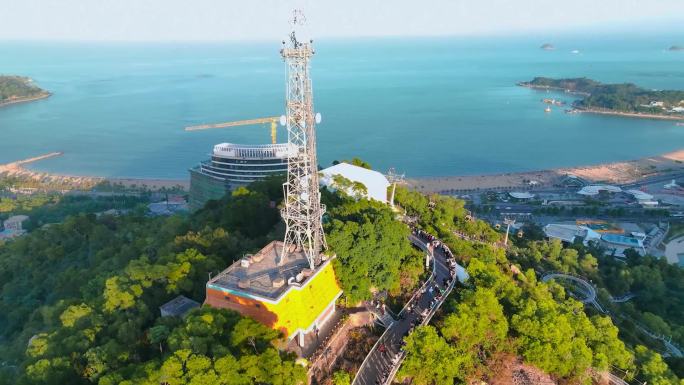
(49, 181)
(616, 172)
(637, 115)
(74, 182)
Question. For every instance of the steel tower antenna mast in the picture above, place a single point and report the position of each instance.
(303, 210)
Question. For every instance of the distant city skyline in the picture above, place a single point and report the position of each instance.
(219, 20)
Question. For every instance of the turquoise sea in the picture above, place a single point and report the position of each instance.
(428, 106)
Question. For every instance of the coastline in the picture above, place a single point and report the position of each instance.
(550, 88)
(61, 182)
(620, 172)
(25, 100)
(627, 114)
(599, 111)
(615, 173)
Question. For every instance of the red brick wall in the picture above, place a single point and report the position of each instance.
(245, 306)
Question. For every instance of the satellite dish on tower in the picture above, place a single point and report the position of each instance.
(318, 118)
(283, 120)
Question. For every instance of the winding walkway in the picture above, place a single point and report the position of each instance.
(590, 297)
(672, 349)
(385, 358)
(586, 289)
(589, 291)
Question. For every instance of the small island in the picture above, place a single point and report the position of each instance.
(18, 89)
(615, 99)
(676, 48)
(547, 47)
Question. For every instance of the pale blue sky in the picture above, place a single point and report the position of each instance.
(145, 20)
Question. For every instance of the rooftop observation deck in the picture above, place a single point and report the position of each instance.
(254, 151)
(262, 274)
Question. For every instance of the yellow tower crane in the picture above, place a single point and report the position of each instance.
(272, 120)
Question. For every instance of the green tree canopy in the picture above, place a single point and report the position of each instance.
(371, 246)
(430, 359)
(478, 328)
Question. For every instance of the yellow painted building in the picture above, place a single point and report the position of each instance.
(280, 292)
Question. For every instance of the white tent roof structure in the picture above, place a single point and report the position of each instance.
(375, 182)
(521, 195)
(594, 189)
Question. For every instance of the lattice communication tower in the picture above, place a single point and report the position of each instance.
(303, 211)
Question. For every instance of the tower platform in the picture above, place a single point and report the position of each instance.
(281, 292)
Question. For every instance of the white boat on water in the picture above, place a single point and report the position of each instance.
(547, 109)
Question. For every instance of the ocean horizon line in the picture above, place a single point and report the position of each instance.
(576, 32)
